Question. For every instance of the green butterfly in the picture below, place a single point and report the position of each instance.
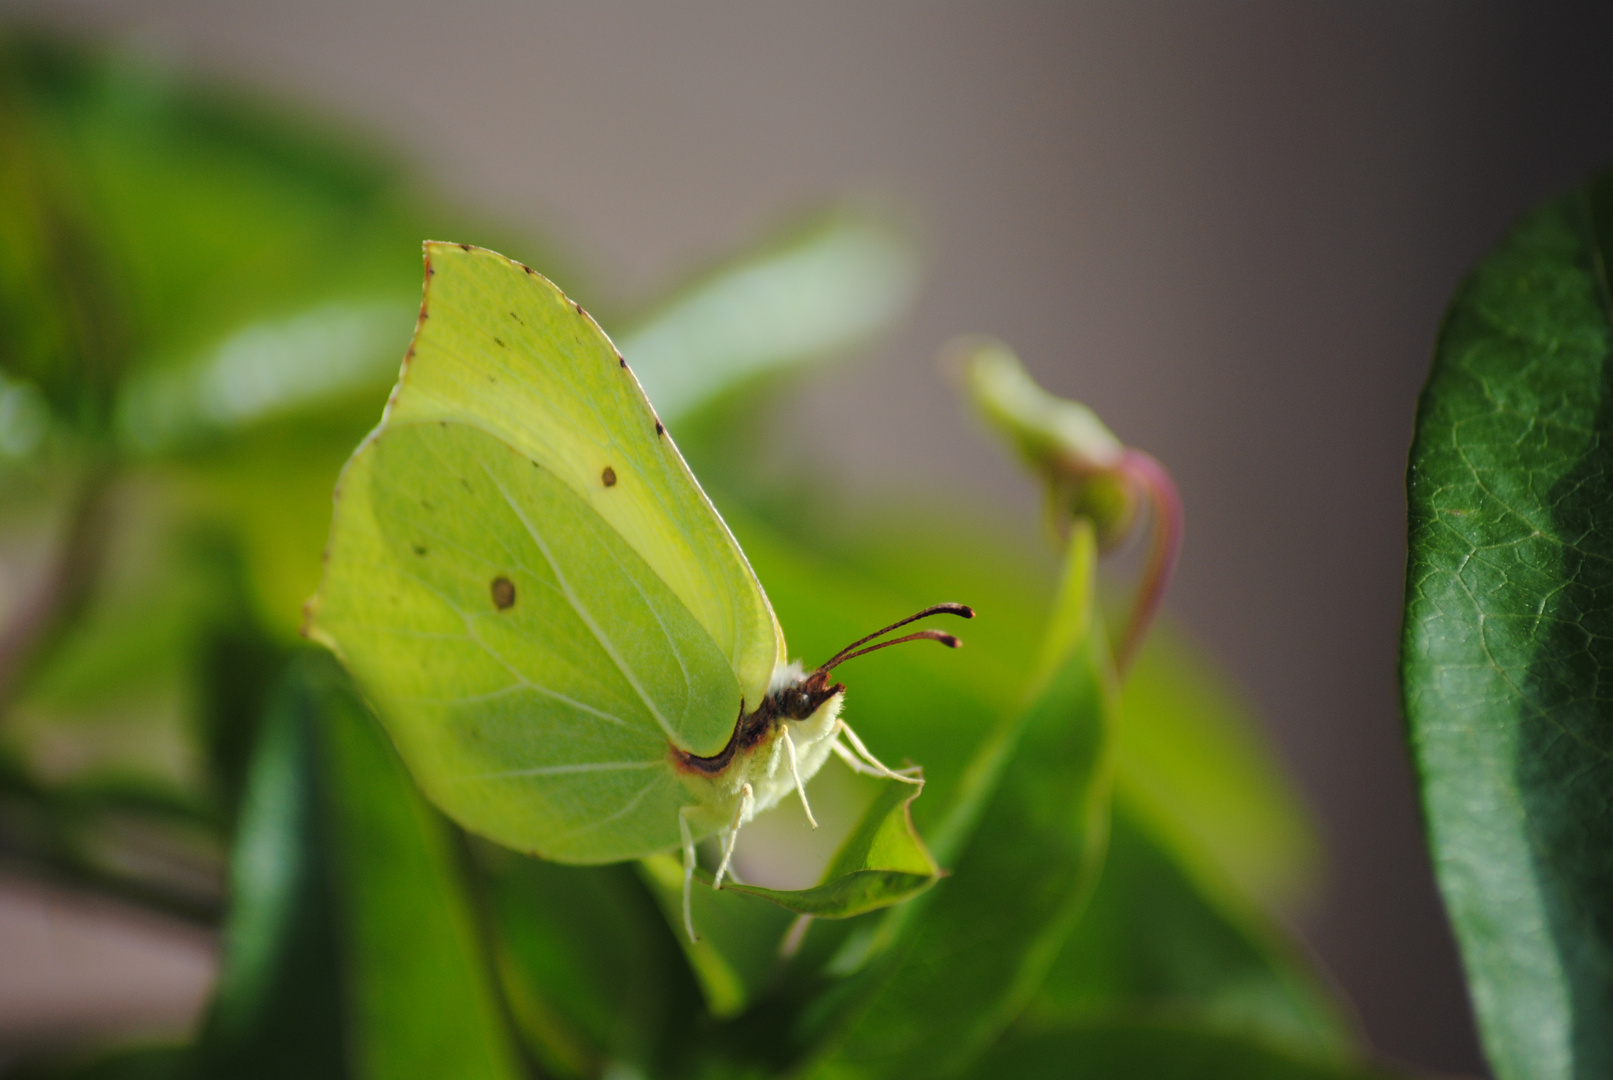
(563, 639)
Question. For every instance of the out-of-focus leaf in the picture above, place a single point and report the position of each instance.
(1158, 1050)
(136, 1063)
(277, 1009)
(270, 488)
(268, 369)
(737, 954)
(1151, 946)
(416, 976)
(882, 862)
(228, 260)
(24, 419)
(967, 957)
(1194, 766)
(590, 969)
(1061, 442)
(1191, 759)
(817, 290)
(1509, 605)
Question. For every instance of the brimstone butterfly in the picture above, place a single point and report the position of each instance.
(565, 642)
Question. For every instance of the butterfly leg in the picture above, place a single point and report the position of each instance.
(688, 871)
(878, 767)
(795, 771)
(747, 798)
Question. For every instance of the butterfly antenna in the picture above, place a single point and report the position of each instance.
(850, 651)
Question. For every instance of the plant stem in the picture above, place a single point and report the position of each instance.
(1166, 524)
(60, 592)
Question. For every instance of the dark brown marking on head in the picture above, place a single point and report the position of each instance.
(419, 550)
(659, 430)
(608, 477)
(622, 360)
(528, 269)
(503, 593)
(430, 269)
(577, 306)
(464, 247)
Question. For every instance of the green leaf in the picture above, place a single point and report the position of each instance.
(351, 946)
(815, 290)
(590, 969)
(1158, 1050)
(737, 954)
(1195, 766)
(277, 1009)
(124, 1063)
(882, 862)
(1509, 603)
(1026, 827)
(1151, 945)
(1193, 761)
(417, 979)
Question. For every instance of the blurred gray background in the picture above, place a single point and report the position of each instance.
(1230, 229)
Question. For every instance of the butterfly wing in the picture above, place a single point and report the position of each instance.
(521, 530)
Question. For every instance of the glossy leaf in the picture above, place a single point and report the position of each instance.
(1026, 829)
(1509, 601)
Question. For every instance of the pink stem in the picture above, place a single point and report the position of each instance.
(1166, 524)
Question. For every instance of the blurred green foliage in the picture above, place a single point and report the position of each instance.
(202, 304)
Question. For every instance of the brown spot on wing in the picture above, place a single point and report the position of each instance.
(503, 590)
(608, 476)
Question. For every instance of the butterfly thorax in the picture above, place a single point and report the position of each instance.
(792, 697)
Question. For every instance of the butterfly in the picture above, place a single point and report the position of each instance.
(566, 644)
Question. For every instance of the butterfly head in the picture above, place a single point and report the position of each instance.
(797, 695)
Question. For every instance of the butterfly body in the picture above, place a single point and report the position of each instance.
(796, 709)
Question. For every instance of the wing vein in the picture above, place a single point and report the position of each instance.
(582, 613)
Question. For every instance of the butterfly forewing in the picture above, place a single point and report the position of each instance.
(499, 347)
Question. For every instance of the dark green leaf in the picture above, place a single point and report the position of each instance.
(1509, 608)
(737, 953)
(277, 1010)
(1152, 946)
(590, 969)
(966, 957)
(417, 980)
(137, 1063)
(1159, 1051)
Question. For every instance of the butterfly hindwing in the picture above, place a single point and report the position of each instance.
(566, 658)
